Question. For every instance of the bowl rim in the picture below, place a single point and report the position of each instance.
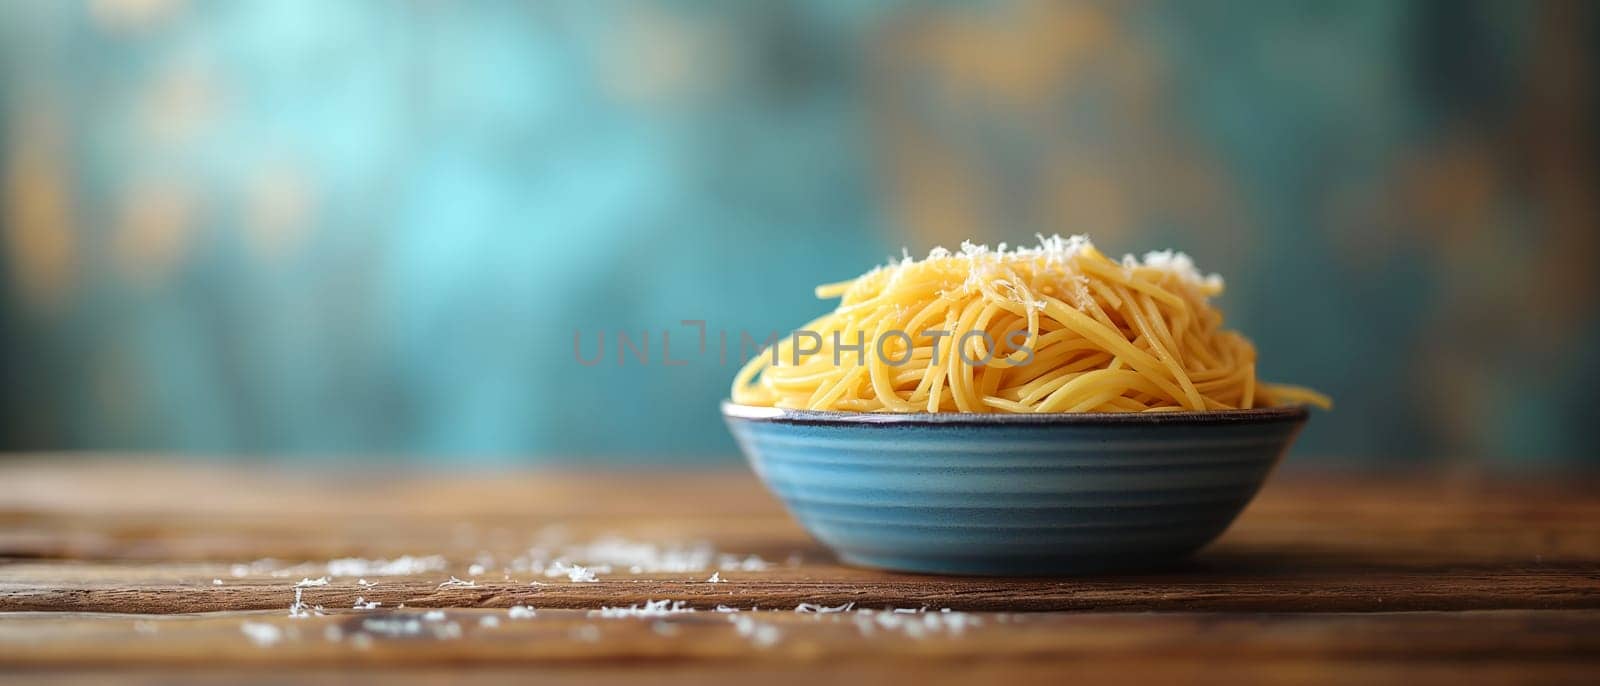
(1261, 415)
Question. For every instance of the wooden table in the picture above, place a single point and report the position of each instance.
(112, 570)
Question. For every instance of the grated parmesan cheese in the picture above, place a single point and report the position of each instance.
(1056, 251)
(520, 612)
(1176, 263)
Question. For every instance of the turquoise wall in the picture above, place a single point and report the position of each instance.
(373, 228)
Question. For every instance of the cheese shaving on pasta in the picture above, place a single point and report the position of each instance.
(1054, 328)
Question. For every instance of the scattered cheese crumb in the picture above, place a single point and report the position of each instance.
(716, 578)
(555, 558)
(458, 583)
(520, 612)
(392, 627)
(434, 615)
(822, 609)
(761, 634)
(261, 633)
(489, 621)
(401, 566)
(475, 570)
(400, 627)
(312, 582)
(297, 608)
(216, 582)
(915, 623)
(750, 563)
(576, 573)
(363, 604)
(651, 608)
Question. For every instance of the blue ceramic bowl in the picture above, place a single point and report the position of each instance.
(1014, 494)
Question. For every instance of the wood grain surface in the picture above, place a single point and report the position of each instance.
(119, 569)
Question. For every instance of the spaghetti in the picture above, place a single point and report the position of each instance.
(1057, 328)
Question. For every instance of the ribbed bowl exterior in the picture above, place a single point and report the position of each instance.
(1014, 494)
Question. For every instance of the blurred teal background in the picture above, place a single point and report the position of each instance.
(362, 228)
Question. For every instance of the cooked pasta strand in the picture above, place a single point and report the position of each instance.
(1056, 328)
